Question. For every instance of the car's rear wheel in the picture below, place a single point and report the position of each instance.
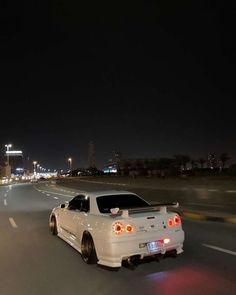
(88, 250)
(53, 225)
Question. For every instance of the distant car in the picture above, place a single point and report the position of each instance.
(114, 226)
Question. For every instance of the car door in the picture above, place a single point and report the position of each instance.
(75, 217)
(81, 219)
(72, 211)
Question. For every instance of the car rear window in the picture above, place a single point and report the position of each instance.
(105, 203)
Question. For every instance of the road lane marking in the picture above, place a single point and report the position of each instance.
(230, 191)
(55, 193)
(220, 249)
(99, 182)
(5, 202)
(56, 198)
(48, 195)
(212, 190)
(12, 222)
(5, 195)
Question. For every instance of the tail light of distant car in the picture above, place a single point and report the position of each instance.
(174, 221)
(119, 228)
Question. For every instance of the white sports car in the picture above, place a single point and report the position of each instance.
(108, 227)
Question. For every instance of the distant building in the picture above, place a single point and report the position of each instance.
(16, 161)
(5, 170)
(113, 165)
(91, 155)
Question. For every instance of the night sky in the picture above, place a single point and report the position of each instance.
(146, 78)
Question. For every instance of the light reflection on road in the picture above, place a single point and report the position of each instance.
(190, 280)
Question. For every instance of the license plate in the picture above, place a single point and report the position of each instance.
(153, 247)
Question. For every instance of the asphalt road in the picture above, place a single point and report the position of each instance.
(32, 261)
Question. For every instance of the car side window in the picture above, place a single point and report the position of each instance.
(79, 202)
(75, 204)
(85, 205)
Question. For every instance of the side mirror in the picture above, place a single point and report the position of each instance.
(63, 205)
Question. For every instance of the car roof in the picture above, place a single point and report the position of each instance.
(96, 194)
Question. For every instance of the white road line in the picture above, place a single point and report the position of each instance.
(230, 191)
(56, 198)
(12, 222)
(212, 190)
(55, 193)
(5, 202)
(5, 195)
(220, 249)
(48, 195)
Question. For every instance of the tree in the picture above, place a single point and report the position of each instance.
(186, 159)
(224, 158)
(165, 163)
(201, 161)
(182, 161)
(178, 161)
(193, 164)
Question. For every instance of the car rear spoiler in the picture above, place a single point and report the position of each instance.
(161, 207)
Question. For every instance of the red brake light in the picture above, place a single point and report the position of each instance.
(170, 222)
(129, 228)
(118, 228)
(177, 220)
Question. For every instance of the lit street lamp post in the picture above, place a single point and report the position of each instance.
(70, 161)
(35, 162)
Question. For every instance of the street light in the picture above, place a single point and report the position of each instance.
(70, 161)
(8, 146)
(35, 162)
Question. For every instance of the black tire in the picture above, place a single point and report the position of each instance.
(88, 251)
(53, 225)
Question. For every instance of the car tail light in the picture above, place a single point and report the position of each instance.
(129, 228)
(118, 228)
(177, 220)
(170, 222)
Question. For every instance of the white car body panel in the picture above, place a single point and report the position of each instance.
(112, 249)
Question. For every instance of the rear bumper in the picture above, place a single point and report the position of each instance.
(112, 253)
